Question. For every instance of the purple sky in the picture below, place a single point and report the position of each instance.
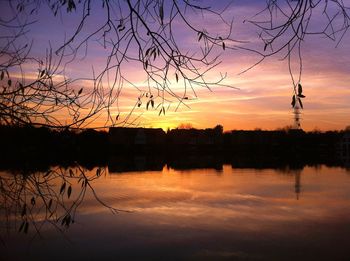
(264, 94)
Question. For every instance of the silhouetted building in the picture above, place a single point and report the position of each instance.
(196, 138)
(345, 148)
(136, 136)
(258, 138)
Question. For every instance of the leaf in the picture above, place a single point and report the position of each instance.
(117, 117)
(177, 77)
(24, 210)
(71, 6)
(26, 226)
(2, 75)
(293, 101)
(152, 103)
(200, 36)
(63, 187)
(147, 104)
(42, 73)
(146, 64)
(154, 55)
(301, 96)
(68, 219)
(301, 104)
(63, 220)
(265, 46)
(121, 22)
(69, 191)
(80, 91)
(98, 172)
(9, 82)
(223, 46)
(300, 89)
(50, 203)
(22, 226)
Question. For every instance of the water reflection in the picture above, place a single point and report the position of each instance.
(206, 213)
(32, 200)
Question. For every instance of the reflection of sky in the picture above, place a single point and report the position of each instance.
(206, 213)
(263, 98)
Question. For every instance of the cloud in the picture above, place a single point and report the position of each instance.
(264, 94)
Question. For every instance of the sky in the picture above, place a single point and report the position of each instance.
(260, 97)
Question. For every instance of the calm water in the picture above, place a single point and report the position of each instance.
(193, 214)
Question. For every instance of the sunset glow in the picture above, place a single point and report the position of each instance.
(259, 98)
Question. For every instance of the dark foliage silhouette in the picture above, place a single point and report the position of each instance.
(30, 201)
(143, 33)
(137, 32)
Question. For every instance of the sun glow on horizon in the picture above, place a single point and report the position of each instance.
(259, 98)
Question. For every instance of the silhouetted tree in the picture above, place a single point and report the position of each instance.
(30, 201)
(143, 33)
(185, 126)
(284, 26)
(139, 32)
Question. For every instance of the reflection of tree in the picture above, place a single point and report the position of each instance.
(31, 201)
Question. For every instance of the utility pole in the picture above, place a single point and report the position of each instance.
(297, 118)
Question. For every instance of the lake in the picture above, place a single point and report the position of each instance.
(201, 214)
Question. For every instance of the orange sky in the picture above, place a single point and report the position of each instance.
(263, 95)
